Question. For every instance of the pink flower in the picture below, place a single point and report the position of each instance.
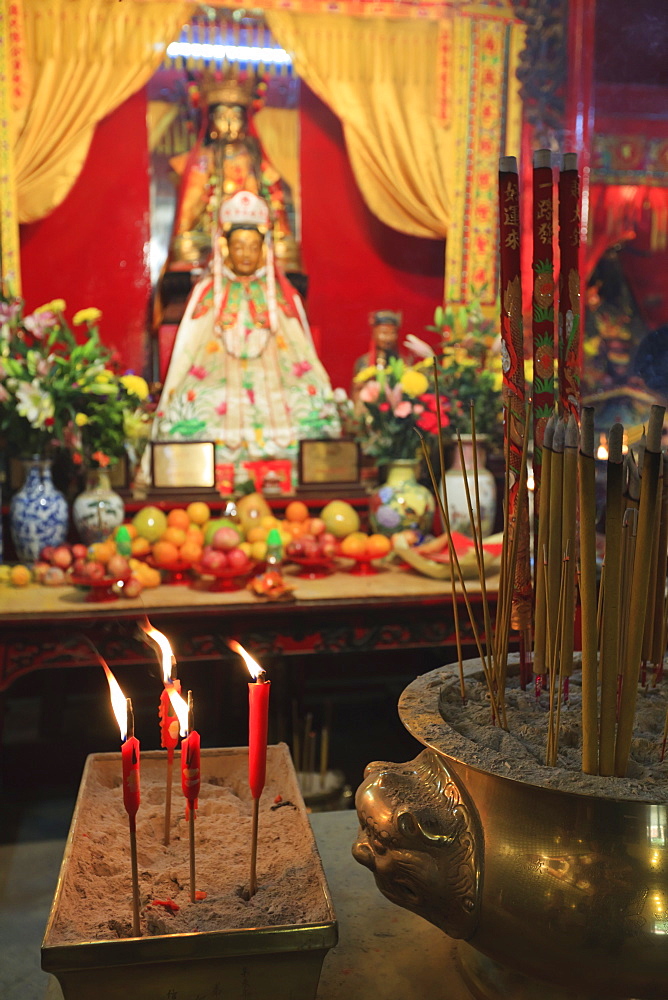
(300, 368)
(403, 409)
(40, 323)
(384, 407)
(198, 372)
(394, 396)
(370, 391)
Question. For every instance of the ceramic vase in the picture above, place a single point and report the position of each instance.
(38, 513)
(401, 503)
(456, 491)
(98, 510)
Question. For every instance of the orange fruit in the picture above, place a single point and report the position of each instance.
(296, 528)
(354, 545)
(194, 534)
(102, 551)
(198, 512)
(269, 522)
(20, 576)
(176, 536)
(296, 510)
(190, 551)
(257, 534)
(378, 546)
(140, 546)
(178, 518)
(165, 553)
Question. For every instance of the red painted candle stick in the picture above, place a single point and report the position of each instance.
(169, 723)
(190, 772)
(569, 287)
(130, 753)
(258, 716)
(512, 344)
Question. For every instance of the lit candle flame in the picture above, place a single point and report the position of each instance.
(255, 670)
(162, 642)
(118, 701)
(180, 706)
(602, 450)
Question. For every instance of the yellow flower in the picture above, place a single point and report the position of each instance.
(366, 373)
(90, 315)
(136, 385)
(414, 383)
(81, 419)
(56, 306)
(105, 376)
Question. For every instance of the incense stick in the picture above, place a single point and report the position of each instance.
(541, 550)
(168, 796)
(587, 495)
(554, 548)
(611, 601)
(639, 590)
(252, 882)
(569, 514)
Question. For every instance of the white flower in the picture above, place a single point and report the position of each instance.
(33, 403)
(419, 347)
(340, 395)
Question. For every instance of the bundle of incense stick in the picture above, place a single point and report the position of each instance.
(494, 655)
(624, 627)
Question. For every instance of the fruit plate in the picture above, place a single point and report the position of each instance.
(313, 567)
(101, 590)
(364, 565)
(177, 572)
(227, 578)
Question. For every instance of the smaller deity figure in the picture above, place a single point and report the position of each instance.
(384, 344)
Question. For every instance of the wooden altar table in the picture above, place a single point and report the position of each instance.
(43, 627)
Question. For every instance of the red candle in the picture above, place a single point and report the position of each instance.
(258, 715)
(169, 723)
(190, 769)
(130, 760)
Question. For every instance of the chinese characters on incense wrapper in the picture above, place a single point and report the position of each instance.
(542, 309)
(513, 383)
(569, 287)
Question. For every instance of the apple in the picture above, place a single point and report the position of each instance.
(316, 526)
(328, 549)
(237, 559)
(132, 587)
(311, 548)
(46, 553)
(295, 549)
(118, 567)
(62, 557)
(54, 577)
(225, 539)
(213, 560)
(39, 570)
(93, 571)
(79, 551)
(78, 567)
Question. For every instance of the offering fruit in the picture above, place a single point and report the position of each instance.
(214, 524)
(150, 523)
(198, 512)
(340, 518)
(225, 538)
(296, 510)
(54, 577)
(20, 576)
(251, 509)
(358, 545)
(62, 557)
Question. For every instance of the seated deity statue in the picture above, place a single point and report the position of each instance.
(227, 159)
(244, 371)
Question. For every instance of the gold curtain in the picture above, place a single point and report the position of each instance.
(380, 78)
(85, 57)
(278, 129)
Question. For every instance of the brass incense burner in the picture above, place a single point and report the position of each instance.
(550, 894)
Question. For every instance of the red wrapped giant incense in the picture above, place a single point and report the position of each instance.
(513, 380)
(569, 287)
(543, 309)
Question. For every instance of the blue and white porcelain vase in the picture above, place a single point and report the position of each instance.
(38, 513)
(98, 510)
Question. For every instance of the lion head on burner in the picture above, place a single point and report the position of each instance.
(418, 838)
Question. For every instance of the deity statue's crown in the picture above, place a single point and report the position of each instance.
(245, 210)
(227, 89)
(385, 316)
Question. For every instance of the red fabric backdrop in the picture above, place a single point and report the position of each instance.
(93, 249)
